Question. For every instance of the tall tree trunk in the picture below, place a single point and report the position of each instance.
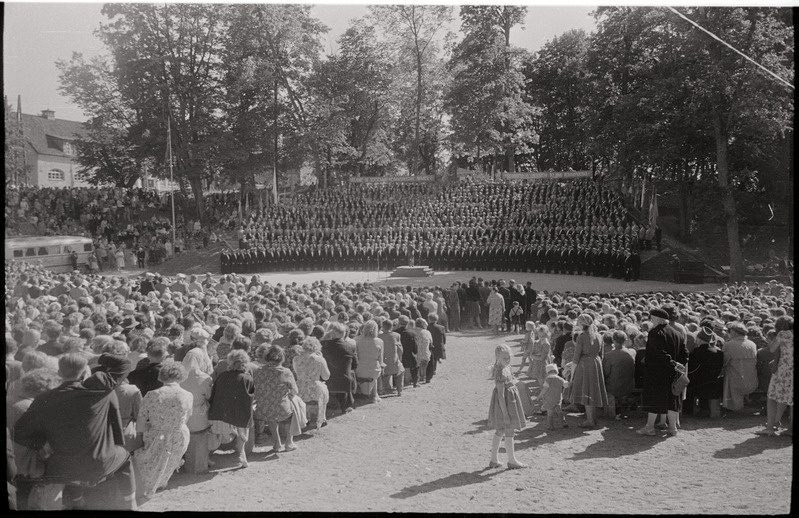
(418, 122)
(790, 190)
(510, 156)
(737, 271)
(196, 183)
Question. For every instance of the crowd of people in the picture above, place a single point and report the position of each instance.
(187, 365)
(668, 355)
(150, 366)
(129, 227)
(575, 226)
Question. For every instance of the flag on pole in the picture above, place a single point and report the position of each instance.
(653, 208)
(643, 192)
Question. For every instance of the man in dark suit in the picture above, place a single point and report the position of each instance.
(438, 352)
(409, 348)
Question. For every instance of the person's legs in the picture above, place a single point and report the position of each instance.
(513, 462)
(285, 426)
(423, 370)
(374, 394)
(242, 434)
(550, 420)
(590, 419)
(495, 448)
(431, 368)
(673, 421)
(398, 382)
(277, 443)
(415, 376)
(322, 399)
(649, 427)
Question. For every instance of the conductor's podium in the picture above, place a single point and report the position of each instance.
(412, 271)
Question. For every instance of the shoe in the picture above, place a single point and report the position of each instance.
(348, 410)
(586, 424)
(376, 400)
(211, 463)
(644, 431)
(290, 447)
(661, 427)
(492, 465)
(673, 433)
(513, 465)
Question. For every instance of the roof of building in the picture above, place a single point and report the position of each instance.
(36, 129)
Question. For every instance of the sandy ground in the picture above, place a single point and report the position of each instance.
(428, 451)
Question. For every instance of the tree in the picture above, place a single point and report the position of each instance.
(413, 30)
(559, 84)
(279, 47)
(166, 65)
(113, 150)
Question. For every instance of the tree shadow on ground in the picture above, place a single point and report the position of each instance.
(729, 422)
(753, 446)
(464, 478)
(617, 442)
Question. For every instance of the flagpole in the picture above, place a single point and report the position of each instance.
(171, 181)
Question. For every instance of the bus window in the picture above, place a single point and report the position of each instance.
(87, 247)
(43, 250)
(18, 253)
(29, 252)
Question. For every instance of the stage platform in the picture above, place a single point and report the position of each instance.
(412, 271)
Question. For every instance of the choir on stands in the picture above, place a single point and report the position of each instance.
(575, 227)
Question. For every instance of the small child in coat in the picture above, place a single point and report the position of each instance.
(516, 316)
(551, 397)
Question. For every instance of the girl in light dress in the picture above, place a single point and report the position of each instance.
(505, 414)
(527, 345)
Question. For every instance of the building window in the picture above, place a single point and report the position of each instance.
(68, 149)
(55, 175)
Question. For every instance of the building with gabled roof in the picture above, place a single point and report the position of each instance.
(50, 153)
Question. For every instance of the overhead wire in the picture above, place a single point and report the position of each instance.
(780, 79)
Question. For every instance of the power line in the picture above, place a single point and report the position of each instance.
(778, 78)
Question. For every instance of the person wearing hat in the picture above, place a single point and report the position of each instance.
(706, 370)
(87, 447)
(666, 355)
(740, 367)
(147, 285)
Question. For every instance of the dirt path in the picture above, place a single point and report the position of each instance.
(428, 451)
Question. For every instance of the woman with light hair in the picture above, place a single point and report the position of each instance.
(369, 350)
(230, 406)
(32, 360)
(198, 351)
(588, 381)
(31, 384)
(232, 330)
(312, 372)
(162, 424)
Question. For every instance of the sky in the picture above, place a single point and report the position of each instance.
(36, 35)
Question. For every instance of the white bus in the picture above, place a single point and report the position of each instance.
(52, 252)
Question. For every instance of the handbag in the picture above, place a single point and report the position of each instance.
(679, 384)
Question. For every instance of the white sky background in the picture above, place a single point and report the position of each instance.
(35, 35)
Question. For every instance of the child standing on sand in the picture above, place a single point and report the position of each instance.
(551, 397)
(505, 414)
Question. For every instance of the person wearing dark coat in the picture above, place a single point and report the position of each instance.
(409, 349)
(231, 399)
(705, 369)
(145, 375)
(342, 361)
(438, 351)
(80, 423)
(666, 355)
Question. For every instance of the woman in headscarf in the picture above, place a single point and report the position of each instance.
(199, 385)
(198, 352)
(588, 381)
